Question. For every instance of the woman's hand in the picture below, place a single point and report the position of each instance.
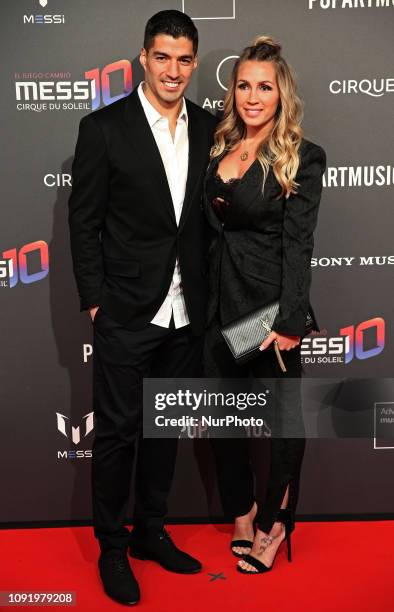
(285, 343)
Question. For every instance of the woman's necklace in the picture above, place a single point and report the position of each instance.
(245, 154)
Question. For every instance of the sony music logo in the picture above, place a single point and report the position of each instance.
(43, 19)
(334, 262)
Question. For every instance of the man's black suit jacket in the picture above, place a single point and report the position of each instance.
(124, 236)
(262, 253)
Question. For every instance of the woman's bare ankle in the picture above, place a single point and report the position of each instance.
(249, 516)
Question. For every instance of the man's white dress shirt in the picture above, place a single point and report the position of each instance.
(175, 156)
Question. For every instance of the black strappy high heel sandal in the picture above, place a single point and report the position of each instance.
(241, 544)
(285, 516)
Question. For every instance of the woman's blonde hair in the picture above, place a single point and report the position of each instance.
(280, 149)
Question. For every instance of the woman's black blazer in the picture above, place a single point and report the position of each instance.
(262, 252)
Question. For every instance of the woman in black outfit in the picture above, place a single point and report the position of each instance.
(262, 193)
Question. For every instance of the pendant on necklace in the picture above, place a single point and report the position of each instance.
(244, 156)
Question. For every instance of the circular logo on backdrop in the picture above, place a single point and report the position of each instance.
(223, 71)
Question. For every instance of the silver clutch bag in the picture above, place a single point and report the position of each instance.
(245, 335)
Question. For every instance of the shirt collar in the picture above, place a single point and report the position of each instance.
(153, 115)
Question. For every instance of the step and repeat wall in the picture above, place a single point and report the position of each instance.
(61, 59)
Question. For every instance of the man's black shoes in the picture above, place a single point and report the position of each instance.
(156, 545)
(117, 577)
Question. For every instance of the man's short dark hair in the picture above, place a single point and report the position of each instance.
(173, 23)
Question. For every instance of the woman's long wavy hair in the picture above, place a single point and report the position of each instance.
(280, 149)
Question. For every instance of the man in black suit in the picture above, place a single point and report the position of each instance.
(137, 240)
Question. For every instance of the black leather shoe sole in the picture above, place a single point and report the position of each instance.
(137, 553)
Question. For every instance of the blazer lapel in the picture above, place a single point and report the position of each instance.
(197, 156)
(210, 214)
(144, 144)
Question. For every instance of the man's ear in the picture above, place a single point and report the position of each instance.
(143, 55)
(195, 62)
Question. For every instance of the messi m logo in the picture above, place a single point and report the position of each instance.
(62, 426)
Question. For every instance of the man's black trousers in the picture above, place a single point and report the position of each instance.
(121, 359)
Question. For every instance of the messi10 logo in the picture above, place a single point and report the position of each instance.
(17, 264)
(102, 85)
(99, 85)
(356, 334)
(362, 341)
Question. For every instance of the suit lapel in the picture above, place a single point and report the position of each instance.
(211, 216)
(144, 144)
(197, 156)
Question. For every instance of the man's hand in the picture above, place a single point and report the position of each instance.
(93, 311)
(285, 343)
